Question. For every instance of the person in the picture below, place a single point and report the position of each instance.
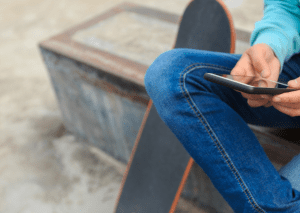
(211, 120)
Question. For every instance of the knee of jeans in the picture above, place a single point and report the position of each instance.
(162, 73)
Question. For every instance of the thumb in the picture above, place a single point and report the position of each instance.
(294, 83)
(262, 55)
(261, 66)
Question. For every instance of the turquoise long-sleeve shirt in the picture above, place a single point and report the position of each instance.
(279, 28)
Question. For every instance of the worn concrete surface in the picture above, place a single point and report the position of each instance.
(141, 47)
(42, 168)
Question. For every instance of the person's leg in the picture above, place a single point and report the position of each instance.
(291, 171)
(211, 122)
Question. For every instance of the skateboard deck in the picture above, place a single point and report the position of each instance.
(159, 165)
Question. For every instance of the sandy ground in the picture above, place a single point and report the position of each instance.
(43, 168)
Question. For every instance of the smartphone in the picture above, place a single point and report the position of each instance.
(249, 84)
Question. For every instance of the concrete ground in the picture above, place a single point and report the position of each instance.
(42, 167)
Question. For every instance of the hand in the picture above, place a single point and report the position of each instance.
(289, 103)
(258, 60)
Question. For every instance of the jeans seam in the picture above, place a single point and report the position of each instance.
(209, 130)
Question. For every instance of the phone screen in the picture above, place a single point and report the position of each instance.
(255, 81)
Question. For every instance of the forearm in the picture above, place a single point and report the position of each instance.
(279, 28)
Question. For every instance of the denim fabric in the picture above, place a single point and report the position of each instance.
(291, 171)
(210, 121)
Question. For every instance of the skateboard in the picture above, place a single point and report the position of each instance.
(159, 165)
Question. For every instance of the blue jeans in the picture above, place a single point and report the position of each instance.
(211, 123)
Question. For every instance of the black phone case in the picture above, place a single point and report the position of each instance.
(244, 88)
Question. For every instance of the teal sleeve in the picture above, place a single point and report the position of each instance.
(279, 28)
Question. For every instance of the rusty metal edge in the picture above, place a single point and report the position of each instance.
(129, 70)
(64, 45)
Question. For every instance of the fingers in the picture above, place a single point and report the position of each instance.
(257, 97)
(257, 103)
(289, 97)
(295, 84)
(259, 60)
(257, 100)
(288, 105)
(269, 104)
(243, 67)
(260, 57)
(288, 111)
(266, 84)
